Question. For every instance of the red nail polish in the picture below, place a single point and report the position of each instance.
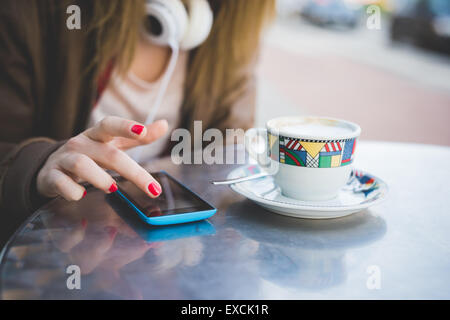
(137, 128)
(84, 223)
(84, 194)
(154, 188)
(113, 188)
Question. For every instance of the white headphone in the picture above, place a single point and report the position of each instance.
(169, 22)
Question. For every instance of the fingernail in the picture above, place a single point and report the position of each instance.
(154, 188)
(84, 223)
(113, 188)
(137, 128)
(84, 194)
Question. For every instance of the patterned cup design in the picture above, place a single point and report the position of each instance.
(311, 153)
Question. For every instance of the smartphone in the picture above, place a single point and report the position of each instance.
(176, 204)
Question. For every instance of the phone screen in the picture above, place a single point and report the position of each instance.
(174, 199)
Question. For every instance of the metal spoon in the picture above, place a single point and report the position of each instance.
(241, 179)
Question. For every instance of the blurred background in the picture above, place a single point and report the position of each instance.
(336, 58)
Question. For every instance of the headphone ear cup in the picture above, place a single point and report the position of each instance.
(166, 21)
(199, 25)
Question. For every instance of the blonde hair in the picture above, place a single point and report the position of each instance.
(116, 24)
(215, 68)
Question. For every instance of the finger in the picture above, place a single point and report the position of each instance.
(154, 131)
(85, 168)
(91, 251)
(110, 127)
(65, 240)
(64, 186)
(125, 251)
(117, 160)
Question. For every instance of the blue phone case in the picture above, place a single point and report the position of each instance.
(151, 233)
(174, 218)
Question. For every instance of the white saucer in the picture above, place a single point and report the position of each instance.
(362, 191)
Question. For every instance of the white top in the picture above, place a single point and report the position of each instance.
(132, 98)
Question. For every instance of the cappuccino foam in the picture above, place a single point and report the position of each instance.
(312, 129)
(320, 128)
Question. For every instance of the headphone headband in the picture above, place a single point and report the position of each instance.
(168, 22)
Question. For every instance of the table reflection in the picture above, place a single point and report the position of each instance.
(243, 251)
(304, 254)
(120, 257)
(102, 236)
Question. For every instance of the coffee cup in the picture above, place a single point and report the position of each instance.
(309, 157)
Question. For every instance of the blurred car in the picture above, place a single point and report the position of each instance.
(330, 12)
(425, 22)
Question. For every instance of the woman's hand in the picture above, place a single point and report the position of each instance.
(82, 158)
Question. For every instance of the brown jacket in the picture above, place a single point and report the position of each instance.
(45, 95)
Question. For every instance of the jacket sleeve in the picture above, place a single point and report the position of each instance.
(21, 154)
